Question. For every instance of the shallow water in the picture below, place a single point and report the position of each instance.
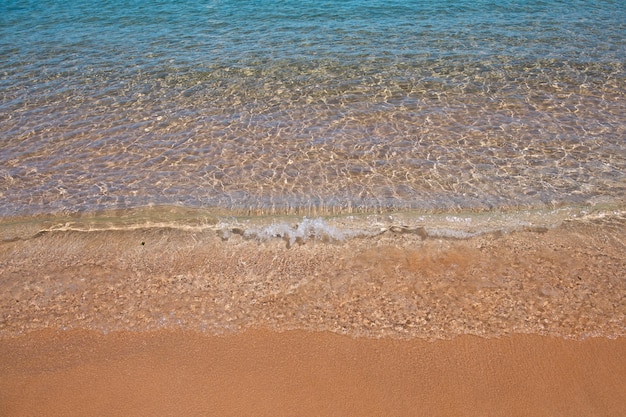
(312, 108)
(404, 169)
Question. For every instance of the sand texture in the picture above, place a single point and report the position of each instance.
(261, 373)
(568, 281)
(167, 322)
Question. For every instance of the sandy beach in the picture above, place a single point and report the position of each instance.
(162, 322)
(263, 373)
(565, 281)
(312, 208)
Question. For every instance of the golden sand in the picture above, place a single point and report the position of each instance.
(568, 281)
(165, 322)
(298, 373)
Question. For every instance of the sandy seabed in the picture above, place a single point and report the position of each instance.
(172, 322)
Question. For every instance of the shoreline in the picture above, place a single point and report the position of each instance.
(265, 373)
(453, 223)
(565, 281)
(176, 322)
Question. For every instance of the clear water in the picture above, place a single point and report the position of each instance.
(311, 106)
(352, 166)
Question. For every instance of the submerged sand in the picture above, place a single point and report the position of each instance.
(298, 373)
(567, 281)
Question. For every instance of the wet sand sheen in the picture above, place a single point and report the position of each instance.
(264, 373)
(567, 281)
(196, 324)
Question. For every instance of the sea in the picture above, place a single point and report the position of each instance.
(306, 119)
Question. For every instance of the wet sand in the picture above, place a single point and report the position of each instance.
(172, 322)
(567, 281)
(264, 373)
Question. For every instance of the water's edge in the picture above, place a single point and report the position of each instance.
(328, 227)
(403, 281)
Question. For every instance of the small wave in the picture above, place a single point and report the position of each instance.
(307, 229)
(300, 230)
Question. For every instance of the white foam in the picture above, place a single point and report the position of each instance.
(316, 229)
(452, 233)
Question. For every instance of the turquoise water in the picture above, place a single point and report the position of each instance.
(311, 107)
(351, 166)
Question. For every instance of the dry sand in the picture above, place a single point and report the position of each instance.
(297, 373)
